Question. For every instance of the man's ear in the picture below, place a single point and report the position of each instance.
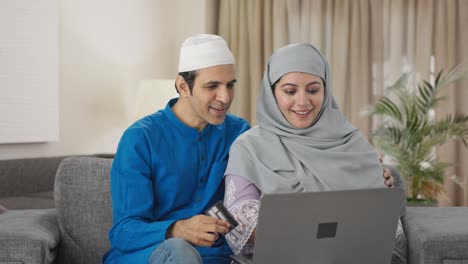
(182, 86)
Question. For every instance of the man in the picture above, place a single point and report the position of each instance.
(169, 166)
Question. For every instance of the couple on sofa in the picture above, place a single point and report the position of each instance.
(169, 166)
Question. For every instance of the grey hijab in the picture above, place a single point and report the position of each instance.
(329, 155)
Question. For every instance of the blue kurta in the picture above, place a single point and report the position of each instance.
(165, 171)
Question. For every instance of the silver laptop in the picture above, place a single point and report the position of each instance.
(334, 227)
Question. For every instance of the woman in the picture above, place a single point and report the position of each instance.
(302, 143)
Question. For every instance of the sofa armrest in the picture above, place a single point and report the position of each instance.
(28, 236)
(437, 235)
(84, 209)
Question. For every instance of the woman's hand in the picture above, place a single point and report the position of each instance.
(252, 237)
(388, 178)
(387, 175)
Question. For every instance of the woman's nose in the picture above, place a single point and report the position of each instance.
(302, 98)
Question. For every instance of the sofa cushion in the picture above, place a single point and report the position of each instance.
(40, 200)
(84, 210)
(2, 209)
(31, 175)
(28, 236)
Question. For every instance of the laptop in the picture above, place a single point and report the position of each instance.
(333, 227)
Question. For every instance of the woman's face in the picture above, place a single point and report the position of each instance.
(300, 97)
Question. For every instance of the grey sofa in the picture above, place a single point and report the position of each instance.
(28, 183)
(76, 231)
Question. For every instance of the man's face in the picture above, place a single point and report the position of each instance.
(212, 94)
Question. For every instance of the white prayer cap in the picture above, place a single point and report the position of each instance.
(203, 51)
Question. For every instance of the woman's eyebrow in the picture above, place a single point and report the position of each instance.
(290, 84)
(315, 82)
(295, 85)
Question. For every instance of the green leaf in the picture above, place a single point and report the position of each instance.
(410, 135)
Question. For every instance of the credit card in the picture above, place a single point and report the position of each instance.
(218, 210)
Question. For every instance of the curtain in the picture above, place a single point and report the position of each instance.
(416, 32)
(343, 30)
(368, 43)
(253, 30)
(449, 39)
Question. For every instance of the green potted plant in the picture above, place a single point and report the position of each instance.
(410, 132)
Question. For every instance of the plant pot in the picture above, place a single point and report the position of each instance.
(421, 202)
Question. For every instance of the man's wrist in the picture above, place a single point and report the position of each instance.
(170, 230)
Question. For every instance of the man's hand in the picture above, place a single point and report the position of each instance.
(200, 230)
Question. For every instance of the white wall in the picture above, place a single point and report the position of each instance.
(106, 48)
(29, 73)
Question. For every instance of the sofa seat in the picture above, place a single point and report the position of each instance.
(437, 235)
(29, 236)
